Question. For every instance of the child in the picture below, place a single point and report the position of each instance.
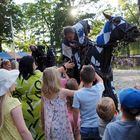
(72, 85)
(85, 100)
(12, 125)
(128, 128)
(54, 113)
(64, 79)
(106, 110)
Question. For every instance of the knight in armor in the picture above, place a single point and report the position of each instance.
(74, 42)
(74, 37)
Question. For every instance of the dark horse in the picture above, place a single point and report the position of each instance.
(100, 53)
(43, 59)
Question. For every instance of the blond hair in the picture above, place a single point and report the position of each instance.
(2, 98)
(106, 109)
(51, 81)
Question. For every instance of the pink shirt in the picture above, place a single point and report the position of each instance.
(63, 82)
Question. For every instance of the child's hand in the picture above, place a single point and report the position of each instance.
(69, 65)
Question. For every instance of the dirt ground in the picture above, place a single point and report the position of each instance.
(126, 78)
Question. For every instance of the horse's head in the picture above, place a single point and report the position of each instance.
(122, 30)
(117, 29)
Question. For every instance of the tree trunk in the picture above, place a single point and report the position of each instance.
(139, 5)
(0, 45)
(139, 9)
(128, 51)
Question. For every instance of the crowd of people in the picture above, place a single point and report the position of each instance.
(52, 106)
(49, 105)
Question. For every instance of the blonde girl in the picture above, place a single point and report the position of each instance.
(12, 125)
(54, 111)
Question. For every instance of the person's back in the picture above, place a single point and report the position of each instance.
(28, 91)
(57, 125)
(120, 130)
(29, 80)
(29, 86)
(128, 128)
(86, 99)
(9, 130)
(12, 125)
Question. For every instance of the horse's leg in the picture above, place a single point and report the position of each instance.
(110, 90)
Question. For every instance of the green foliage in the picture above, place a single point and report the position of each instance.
(9, 9)
(97, 26)
(42, 22)
(45, 20)
(135, 48)
(130, 12)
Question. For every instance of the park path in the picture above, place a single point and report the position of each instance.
(126, 78)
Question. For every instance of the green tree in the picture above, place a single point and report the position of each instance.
(8, 9)
(129, 10)
(138, 9)
(47, 18)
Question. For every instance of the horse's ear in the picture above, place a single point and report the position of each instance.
(107, 16)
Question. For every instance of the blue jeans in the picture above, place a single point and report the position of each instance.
(89, 133)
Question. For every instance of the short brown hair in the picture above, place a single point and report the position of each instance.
(87, 73)
(106, 109)
(72, 84)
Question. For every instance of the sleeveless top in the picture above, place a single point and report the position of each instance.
(57, 124)
(9, 130)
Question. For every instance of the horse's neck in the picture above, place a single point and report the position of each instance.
(106, 58)
(100, 57)
(99, 49)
